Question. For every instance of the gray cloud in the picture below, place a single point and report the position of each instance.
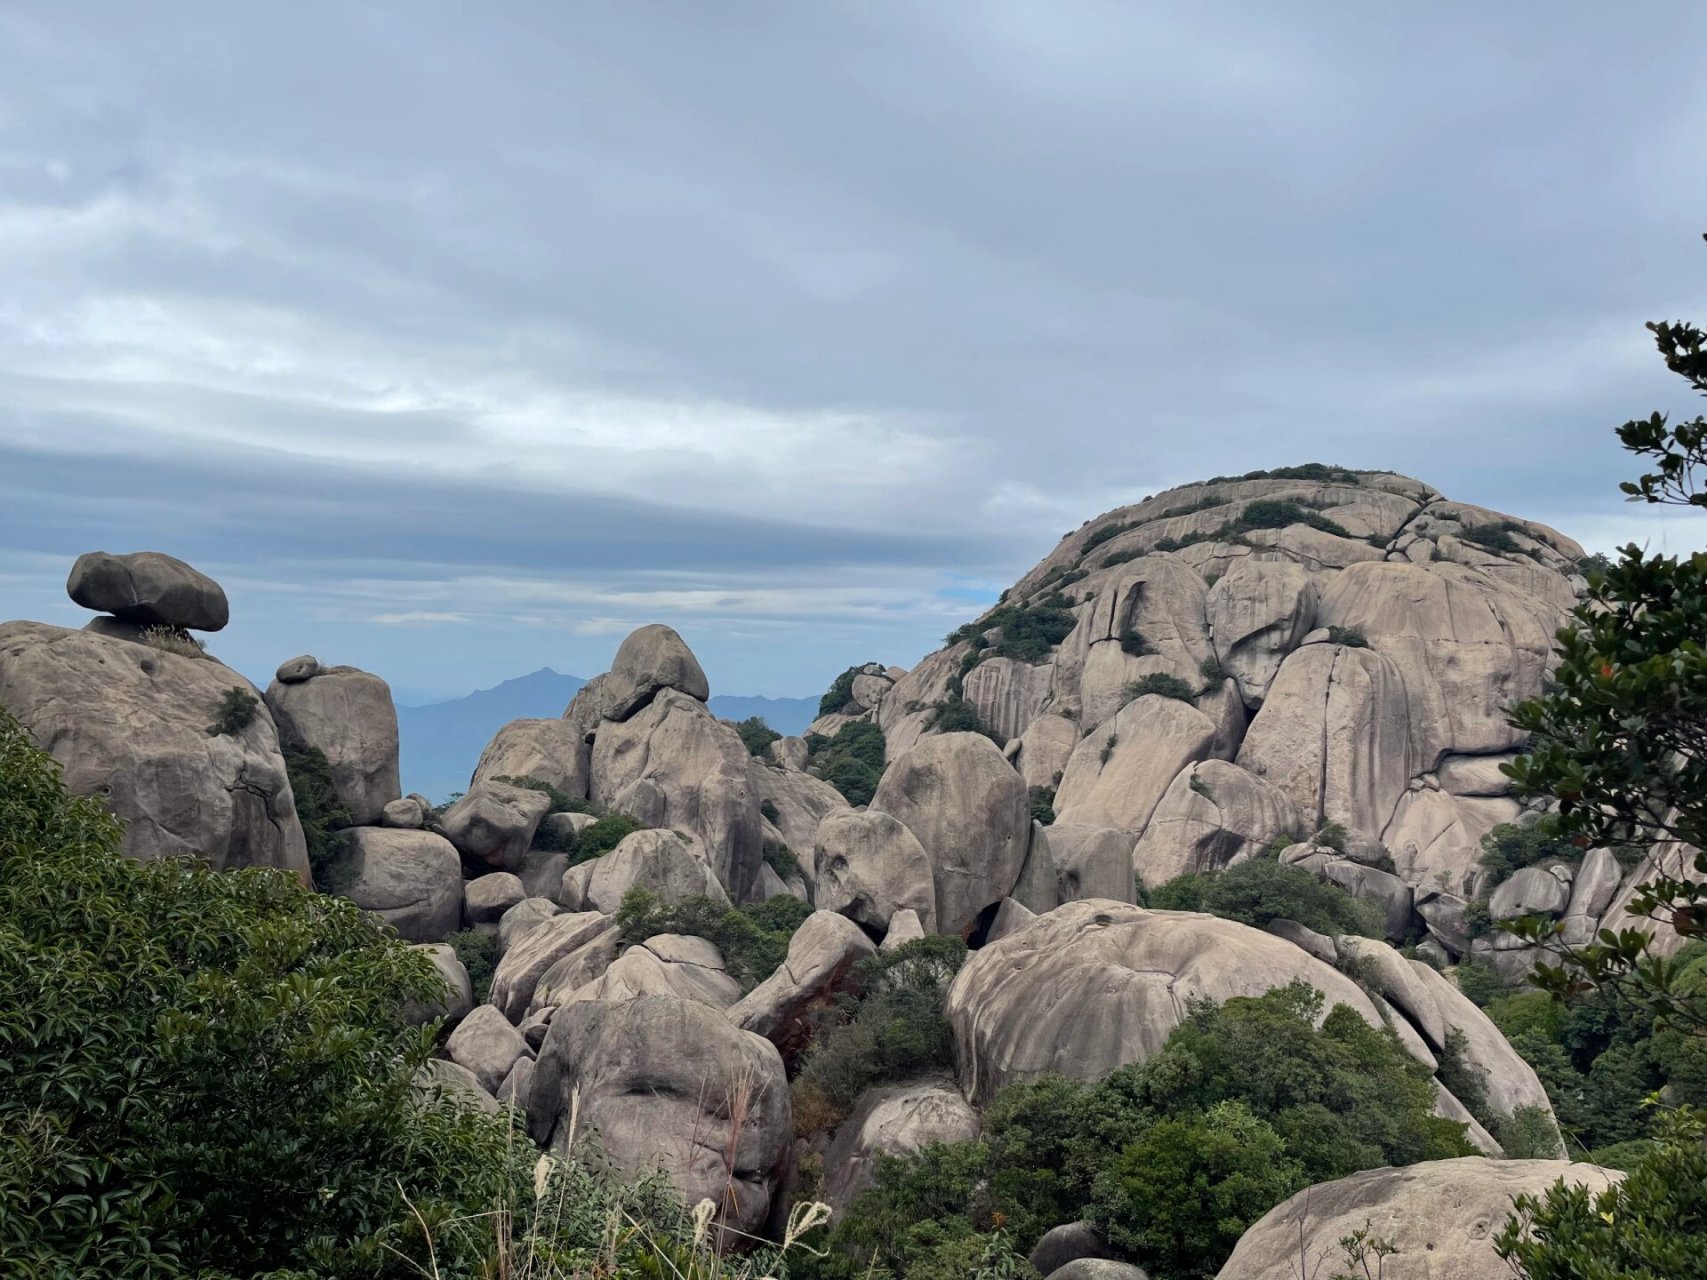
(802, 326)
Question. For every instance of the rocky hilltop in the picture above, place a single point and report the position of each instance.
(1306, 667)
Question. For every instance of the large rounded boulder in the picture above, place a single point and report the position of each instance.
(893, 1120)
(131, 724)
(1441, 1217)
(1096, 984)
(868, 867)
(411, 879)
(348, 715)
(970, 812)
(651, 659)
(150, 589)
(670, 1084)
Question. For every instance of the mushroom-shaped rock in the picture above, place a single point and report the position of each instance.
(1334, 735)
(1529, 891)
(652, 659)
(554, 752)
(523, 918)
(665, 863)
(1212, 815)
(1119, 773)
(529, 956)
(495, 822)
(821, 956)
(1442, 1216)
(666, 964)
(674, 764)
(149, 588)
(129, 724)
(1259, 611)
(486, 898)
(654, 1075)
(970, 812)
(410, 879)
(869, 866)
(487, 1045)
(893, 1120)
(458, 996)
(348, 715)
(1095, 985)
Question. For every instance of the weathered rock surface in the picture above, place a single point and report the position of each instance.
(348, 715)
(1529, 891)
(821, 957)
(868, 866)
(495, 822)
(904, 927)
(800, 802)
(893, 1120)
(1098, 1269)
(406, 813)
(1087, 862)
(1442, 1215)
(665, 863)
(674, 764)
(529, 955)
(1212, 815)
(129, 724)
(447, 1082)
(458, 997)
(1094, 985)
(1044, 749)
(149, 588)
(970, 812)
(411, 879)
(1117, 776)
(652, 659)
(550, 751)
(666, 964)
(1068, 1243)
(486, 898)
(654, 1075)
(486, 1044)
(1259, 612)
(523, 918)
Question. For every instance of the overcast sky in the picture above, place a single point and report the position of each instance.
(455, 340)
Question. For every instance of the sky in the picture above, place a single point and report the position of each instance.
(458, 340)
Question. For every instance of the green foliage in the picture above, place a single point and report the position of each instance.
(780, 859)
(753, 939)
(1173, 1157)
(1653, 1224)
(1181, 1195)
(1464, 1080)
(1261, 890)
(1307, 471)
(956, 715)
(1028, 631)
(1043, 805)
(1494, 537)
(1350, 637)
(898, 1030)
(1480, 983)
(1212, 672)
(602, 836)
(479, 955)
(756, 735)
(1132, 641)
(236, 712)
(840, 692)
(769, 812)
(561, 801)
(318, 808)
(1106, 533)
(208, 1073)
(851, 762)
(1271, 513)
(1511, 846)
(1163, 685)
(173, 640)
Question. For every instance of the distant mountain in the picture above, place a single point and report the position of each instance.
(442, 742)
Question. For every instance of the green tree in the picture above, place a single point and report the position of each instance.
(756, 735)
(209, 1073)
(1262, 889)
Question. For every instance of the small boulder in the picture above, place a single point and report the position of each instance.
(1529, 891)
(904, 927)
(1098, 1269)
(440, 1080)
(486, 898)
(411, 879)
(1068, 1243)
(651, 659)
(149, 588)
(495, 823)
(296, 670)
(821, 956)
(530, 955)
(486, 1044)
(893, 1120)
(405, 814)
(523, 918)
(459, 991)
(663, 862)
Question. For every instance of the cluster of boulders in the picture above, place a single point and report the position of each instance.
(1347, 677)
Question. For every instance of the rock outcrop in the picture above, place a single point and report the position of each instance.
(130, 723)
(410, 879)
(495, 822)
(348, 715)
(868, 866)
(893, 1120)
(820, 961)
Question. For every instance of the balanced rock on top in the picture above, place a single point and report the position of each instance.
(148, 588)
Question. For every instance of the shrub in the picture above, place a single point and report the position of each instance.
(479, 955)
(601, 837)
(1494, 537)
(898, 1030)
(753, 939)
(173, 640)
(1106, 533)
(840, 692)
(210, 1073)
(1043, 805)
(756, 735)
(1212, 671)
(1163, 685)
(1132, 641)
(318, 808)
(1028, 631)
(956, 715)
(780, 859)
(1258, 891)
(561, 801)
(769, 812)
(1350, 637)
(236, 712)
(1480, 983)
(851, 762)
(1511, 846)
